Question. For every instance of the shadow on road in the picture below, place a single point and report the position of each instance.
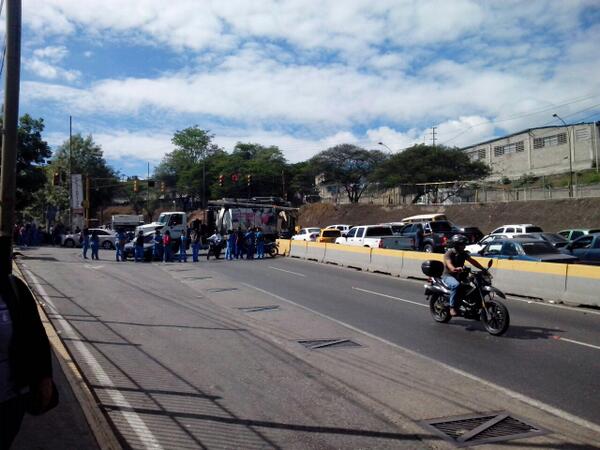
(514, 331)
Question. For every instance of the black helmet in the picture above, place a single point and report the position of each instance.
(459, 239)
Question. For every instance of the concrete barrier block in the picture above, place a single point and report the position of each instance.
(298, 249)
(284, 246)
(315, 251)
(583, 285)
(348, 255)
(387, 261)
(411, 263)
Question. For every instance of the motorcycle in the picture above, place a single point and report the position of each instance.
(271, 249)
(214, 248)
(476, 297)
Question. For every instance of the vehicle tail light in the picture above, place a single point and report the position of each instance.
(444, 240)
(380, 243)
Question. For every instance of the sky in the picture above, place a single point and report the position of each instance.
(305, 75)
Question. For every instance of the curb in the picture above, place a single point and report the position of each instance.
(101, 429)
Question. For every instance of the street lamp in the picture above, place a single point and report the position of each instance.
(382, 144)
(570, 158)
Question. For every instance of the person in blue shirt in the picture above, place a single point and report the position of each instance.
(230, 251)
(182, 247)
(250, 242)
(120, 242)
(196, 239)
(95, 244)
(139, 247)
(85, 241)
(260, 244)
(157, 247)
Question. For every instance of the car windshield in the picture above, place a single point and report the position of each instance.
(163, 218)
(533, 230)
(441, 226)
(538, 248)
(379, 231)
(332, 233)
(554, 238)
(313, 230)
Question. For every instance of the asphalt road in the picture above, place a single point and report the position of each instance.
(533, 358)
(174, 372)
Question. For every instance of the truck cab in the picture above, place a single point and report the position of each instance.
(175, 222)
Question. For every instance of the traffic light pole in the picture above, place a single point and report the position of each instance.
(9, 142)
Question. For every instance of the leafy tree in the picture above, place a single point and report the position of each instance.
(349, 166)
(300, 181)
(32, 152)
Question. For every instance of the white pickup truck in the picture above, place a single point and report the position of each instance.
(366, 236)
(175, 222)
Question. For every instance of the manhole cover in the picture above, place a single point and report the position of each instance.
(251, 309)
(476, 429)
(314, 344)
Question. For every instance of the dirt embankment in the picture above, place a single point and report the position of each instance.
(551, 215)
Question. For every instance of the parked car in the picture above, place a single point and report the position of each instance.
(425, 218)
(344, 228)
(478, 246)
(307, 234)
(573, 233)
(329, 235)
(107, 238)
(512, 230)
(396, 226)
(473, 234)
(586, 248)
(129, 250)
(435, 235)
(366, 236)
(555, 239)
(525, 249)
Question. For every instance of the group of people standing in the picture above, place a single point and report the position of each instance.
(238, 244)
(90, 241)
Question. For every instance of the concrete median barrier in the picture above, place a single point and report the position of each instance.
(386, 261)
(348, 255)
(284, 246)
(411, 263)
(298, 249)
(315, 251)
(583, 285)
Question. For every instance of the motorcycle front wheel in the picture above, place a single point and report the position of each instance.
(273, 252)
(439, 311)
(499, 318)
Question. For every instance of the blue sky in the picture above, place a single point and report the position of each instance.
(305, 74)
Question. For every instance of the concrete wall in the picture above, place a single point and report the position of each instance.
(576, 284)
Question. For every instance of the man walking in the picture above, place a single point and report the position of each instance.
(167, 246)
(95, 244)
(157, 249)
(182, 247)
(196, 242)
(120, 245)
(260, 244)
(139, 247)
(85, 241)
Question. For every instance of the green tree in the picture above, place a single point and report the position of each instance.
(349, 166)
(427, 164)
(32, 153)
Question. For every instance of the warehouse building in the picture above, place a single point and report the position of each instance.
(540, 151)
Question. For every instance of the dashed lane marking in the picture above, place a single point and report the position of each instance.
(573, 341)
(287, 271)
(390, 296)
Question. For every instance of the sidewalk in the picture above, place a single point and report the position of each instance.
(62, 428)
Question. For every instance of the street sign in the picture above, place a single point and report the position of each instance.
(76, 191)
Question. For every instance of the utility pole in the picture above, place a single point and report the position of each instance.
(87, 201)
(69, 181)
(433, 134)
(8, 180)
(148, 192)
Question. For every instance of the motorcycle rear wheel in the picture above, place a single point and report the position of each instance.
(439, 311)
(499, 317)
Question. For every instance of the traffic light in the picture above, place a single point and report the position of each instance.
(221, 180)
(235, 177)
(162, 186)
(56, 179)
(249, 179)
(136, 187)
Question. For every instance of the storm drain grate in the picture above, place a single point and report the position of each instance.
(476, 429)
(251, 309)
(315, 344)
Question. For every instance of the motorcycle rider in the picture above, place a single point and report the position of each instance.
(454, 261)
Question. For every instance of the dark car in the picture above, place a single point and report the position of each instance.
(525, 249)
(473, 234)
(435, 235)
(555, 239)
(129, 250)
(586, 248)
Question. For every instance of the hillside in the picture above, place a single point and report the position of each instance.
(551, 215)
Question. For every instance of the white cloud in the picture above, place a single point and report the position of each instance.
(44, 63)
(51, 53)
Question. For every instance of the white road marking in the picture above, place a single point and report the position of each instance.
(552, 305)
(560, 338)
(523, 398)
(287, 271)
(89, 266)
(133, 419)
(390, 296)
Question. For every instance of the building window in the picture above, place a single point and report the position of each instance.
(550, 141)
(481, 153)
(582, 134)
(516, 147)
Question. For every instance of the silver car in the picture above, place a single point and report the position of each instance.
(107, 238)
